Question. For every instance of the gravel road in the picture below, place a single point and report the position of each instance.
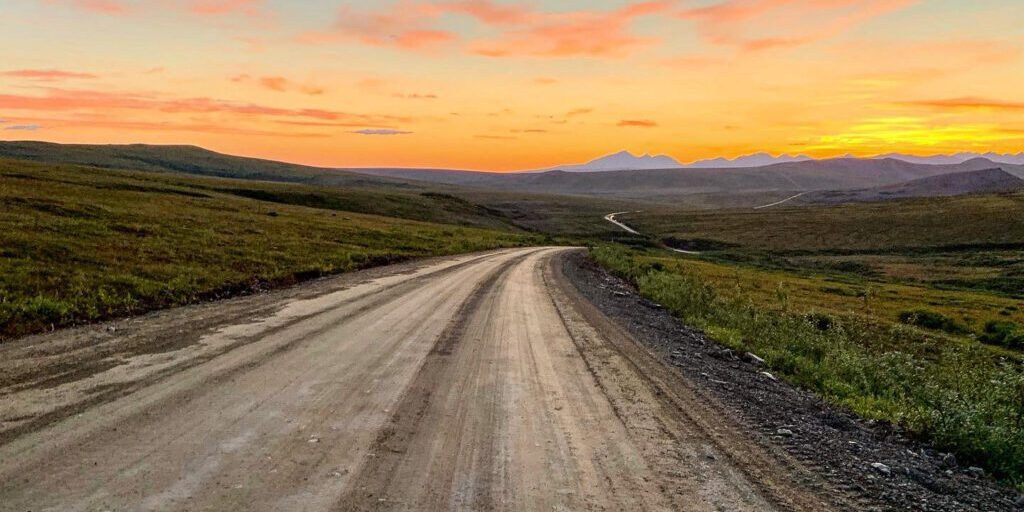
(477, 382)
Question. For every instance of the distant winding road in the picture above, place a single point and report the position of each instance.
(776, 203)
(611, 218)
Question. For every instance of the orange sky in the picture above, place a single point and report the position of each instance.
(500, 85)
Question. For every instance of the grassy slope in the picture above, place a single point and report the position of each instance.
(926, 223)
(186, 160)
(974, 242)
(80, 244)
(962, 395)
(825, 295)
(420, 200)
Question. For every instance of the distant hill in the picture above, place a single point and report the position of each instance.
(706, 187)
(187, 160)
(985, 181)
(672, 185)
(625, 161)
(622, 161)
(1017, 159)
(755, 160)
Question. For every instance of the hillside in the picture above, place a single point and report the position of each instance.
(79, 244)
(926, 223)
(187, 160)
(673, 185)
(986, 181)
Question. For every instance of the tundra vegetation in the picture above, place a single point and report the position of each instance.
(81, 244)
(908, 312)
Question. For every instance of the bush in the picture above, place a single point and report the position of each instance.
(1006, 334)
(956, 395)
(933, 320)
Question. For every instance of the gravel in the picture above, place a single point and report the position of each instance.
(849, 452)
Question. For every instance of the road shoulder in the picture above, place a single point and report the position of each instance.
(838, 448)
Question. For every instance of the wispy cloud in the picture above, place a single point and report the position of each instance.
(967, 103)
(573, 34)
(508, 30)
(24, 127)
(47, 75)
(414, 96)
(754, 25)
(381, 131)
(279, 84)
(579, 112)
(89, 100)
(221, 7)
(108, 7)
(637, 123)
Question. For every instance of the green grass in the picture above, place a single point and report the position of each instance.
(971, 242)
(80, 244)
(849, 346)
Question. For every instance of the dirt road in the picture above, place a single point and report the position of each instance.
(480, 382)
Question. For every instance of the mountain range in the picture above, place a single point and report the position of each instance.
(626, 161)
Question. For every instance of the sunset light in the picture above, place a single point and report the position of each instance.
(493, 85)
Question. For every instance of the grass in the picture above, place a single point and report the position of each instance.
(80, 244)
(963, 396)
(971, 242)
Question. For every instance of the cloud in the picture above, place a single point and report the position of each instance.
(967, 103)
(88, 100)
(883, 134)
(196, 7)
(637, 123)
(381, 131)
(222, 7)
(24, 127)
(579, 112)
(572, 34)
(509, 30)
(94, 122)
(279, 84)
(107, 7)
(414, 96)
(47, 75)
(407, 25)
(756, 25)
(496, 137)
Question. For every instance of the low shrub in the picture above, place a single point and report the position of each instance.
(960, 396)
(1006, 334)
(933, 320)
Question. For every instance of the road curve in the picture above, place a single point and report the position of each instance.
(479, 382)
(611, 218)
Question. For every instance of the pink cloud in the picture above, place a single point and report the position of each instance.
(279, 84)
(637, 123)
(407, 25)
(516, 30)
(755, 25)
(47, 75)
(220, 7)
(83, 100)
(109, 7)
(968, 103)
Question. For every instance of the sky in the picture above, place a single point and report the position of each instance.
(502, 85)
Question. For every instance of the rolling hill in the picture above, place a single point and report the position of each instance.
(188, 160)
(985, 181)
(674, 185)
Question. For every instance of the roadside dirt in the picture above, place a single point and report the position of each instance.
(838, 448)
(480, 382)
